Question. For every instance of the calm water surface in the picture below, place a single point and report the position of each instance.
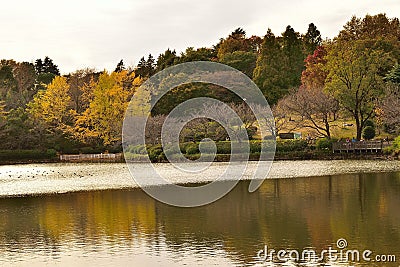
(125, 227)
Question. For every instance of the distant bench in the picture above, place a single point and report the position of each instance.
(360, 146)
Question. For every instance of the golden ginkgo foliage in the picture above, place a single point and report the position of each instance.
(51, 106)
(104, 116)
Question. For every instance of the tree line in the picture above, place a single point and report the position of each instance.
(315, 81)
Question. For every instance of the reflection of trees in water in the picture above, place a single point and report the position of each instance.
(284, 213)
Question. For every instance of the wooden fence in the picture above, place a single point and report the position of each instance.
(88, 157)
(360, 146)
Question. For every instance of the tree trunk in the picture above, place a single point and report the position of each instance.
(327, 128)
(359, 128)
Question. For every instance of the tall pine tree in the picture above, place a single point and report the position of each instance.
(269, 68)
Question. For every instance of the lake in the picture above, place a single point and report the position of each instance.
(305, 206)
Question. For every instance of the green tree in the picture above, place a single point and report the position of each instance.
(145, 68)
(236, 41)
(280, 64)
(354, 78)
(20, 132)
(46, 71)
(269, 67)
(293, 56)
(200, 54)
(8, 84)
(17, 83)
(394, 75)
(368, 132)
(39, 66)
(50, 67)
(168, 58)
(3, 119)
(120, 66)
(241, 60)
(382, 30)
(311, 40)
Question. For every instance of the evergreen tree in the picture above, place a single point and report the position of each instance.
(120, 66)
(150, 65)
(168, 58)
(50, 67)
(238, 33)
(311, 40)
(269, 68)
(394, 75)
(39, 66)
(293, 57)
(145, 68)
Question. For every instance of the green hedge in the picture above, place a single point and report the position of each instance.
(325, 143)
(191, 149)
(291, 145)
(6, 155)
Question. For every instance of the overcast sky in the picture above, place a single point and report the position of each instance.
(98, 33)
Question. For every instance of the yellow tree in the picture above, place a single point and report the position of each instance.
(104, 116)
(50, 107)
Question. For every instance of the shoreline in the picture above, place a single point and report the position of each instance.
(279, 156)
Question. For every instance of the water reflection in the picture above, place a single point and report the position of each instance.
(127, 227)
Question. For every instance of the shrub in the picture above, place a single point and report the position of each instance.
(89, 150)
(192, 149)
(51, 153)
(325, 143)
(154, 152)
(394, 148)
(135, 157)
(268, 145)
(369, 123)
(138, 149)
(207, 147)
(396, 143)
(255, 146)
(224, 147)
(291, 145)
(369, 132)
(172, 151)
(389, 150)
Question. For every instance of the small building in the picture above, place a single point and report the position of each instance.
(289, 135)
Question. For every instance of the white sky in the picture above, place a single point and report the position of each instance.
(98, 33)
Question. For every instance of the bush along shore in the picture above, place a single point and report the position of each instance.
(285, 150)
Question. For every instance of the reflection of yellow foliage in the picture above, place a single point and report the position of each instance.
(382, 205)
(55, 219)
(98, 213)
